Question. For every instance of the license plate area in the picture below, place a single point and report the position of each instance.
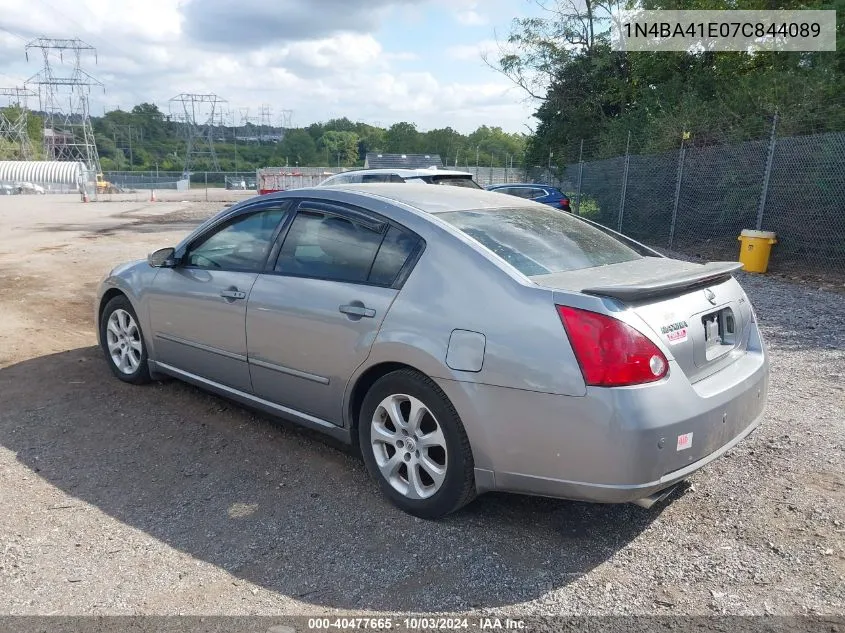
(720, 333)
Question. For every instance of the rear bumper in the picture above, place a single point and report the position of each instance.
(611, 493)
(612, 445)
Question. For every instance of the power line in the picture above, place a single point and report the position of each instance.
(88, 34)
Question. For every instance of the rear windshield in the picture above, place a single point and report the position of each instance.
(540, 241)
(453, 181)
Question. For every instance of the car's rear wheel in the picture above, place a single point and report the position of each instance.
(123, 342)
(415, 446)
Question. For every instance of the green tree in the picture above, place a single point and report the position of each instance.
(340, 146)
(443, 141)
(298, 147)
(586, 91)
(373, 139)
(402, 138)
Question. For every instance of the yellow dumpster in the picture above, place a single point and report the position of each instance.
(755, 249)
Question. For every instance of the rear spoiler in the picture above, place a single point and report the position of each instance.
(706, 275)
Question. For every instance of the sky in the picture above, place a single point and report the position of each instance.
(376, 61)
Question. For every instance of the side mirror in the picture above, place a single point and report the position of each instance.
(162, 258)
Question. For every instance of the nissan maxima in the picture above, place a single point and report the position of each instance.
(463, 340)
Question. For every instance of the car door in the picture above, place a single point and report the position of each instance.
(198, 308)
(311, 320)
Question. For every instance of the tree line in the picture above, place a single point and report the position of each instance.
(590, 97)
(145, 139)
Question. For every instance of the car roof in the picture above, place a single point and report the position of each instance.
(522, 184)
(407, 172)
(428, 198)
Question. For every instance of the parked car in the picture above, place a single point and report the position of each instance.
(235, 182)
(431, 176)
(543, 194)
(465, 341)
(30, 188)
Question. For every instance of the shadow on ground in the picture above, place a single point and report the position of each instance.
(280, 507)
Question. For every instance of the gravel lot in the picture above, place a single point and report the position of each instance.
(164, 500)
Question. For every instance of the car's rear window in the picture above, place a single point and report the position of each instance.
(540, 241)
(453, 181)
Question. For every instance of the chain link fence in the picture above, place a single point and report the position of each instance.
(694, 199)
(698, 198)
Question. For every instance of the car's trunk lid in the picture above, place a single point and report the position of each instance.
(697, 310)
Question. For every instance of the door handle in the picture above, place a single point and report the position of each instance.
(232, 294)
(358, 311)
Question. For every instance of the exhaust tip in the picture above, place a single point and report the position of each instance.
(657, 497)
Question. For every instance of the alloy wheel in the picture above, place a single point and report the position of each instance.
(123, 339)
(409, 446)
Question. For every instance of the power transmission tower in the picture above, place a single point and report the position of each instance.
(13, 121)
(266, 124)
(285, 121)
(68, 134)
(198, 113)
(123, 148)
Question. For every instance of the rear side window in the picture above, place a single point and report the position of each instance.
(540, 241)
(338, 180)
(394, 252)
(453, 181)
(381, 178)
(328, 246)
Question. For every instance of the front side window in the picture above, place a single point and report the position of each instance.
(242, 244)
(540, 241)
(328, 246)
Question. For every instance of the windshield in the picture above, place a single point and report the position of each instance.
(540, 241)
(452, 181)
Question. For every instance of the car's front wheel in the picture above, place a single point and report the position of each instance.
(123, 342)
(415, 446)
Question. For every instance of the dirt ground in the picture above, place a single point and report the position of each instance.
(164, 500)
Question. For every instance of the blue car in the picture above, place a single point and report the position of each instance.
(544, 194)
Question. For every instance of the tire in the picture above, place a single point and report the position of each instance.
(123, 342)
(424, 468)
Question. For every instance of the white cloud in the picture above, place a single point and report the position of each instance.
(147, 54)
(471, 18)
(473, 52)
(469, 12)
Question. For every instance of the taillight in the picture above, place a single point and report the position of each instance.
(611, 353)
(564, 202)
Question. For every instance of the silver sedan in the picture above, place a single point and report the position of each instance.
(465, 341)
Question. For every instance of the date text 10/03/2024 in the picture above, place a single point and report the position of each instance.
(417, 623)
